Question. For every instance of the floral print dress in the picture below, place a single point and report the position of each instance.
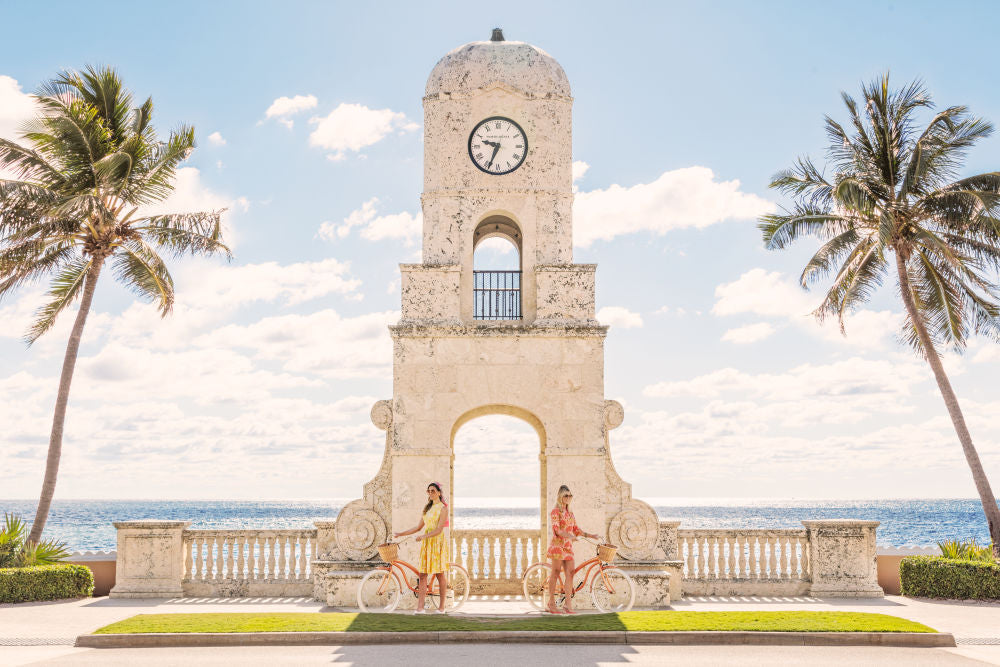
(562, 521)
(434, 550)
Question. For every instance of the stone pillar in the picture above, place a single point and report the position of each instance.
(150, 559)
(842, 558)
(326, 539)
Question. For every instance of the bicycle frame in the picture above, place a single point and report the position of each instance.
(590, 565)
(399, 565)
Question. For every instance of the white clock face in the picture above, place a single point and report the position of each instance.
(498, 145)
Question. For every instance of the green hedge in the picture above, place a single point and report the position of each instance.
(45, 582)
(939, 577)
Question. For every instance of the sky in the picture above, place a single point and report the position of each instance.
(308, 119)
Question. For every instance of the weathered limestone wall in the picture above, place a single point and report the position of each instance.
(553, 379)
(150, 562)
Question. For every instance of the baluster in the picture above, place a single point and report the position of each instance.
(481, 543)
(793, 555)
(217, 557)
(503, 557)
(752, 558)
(241, 566)
(186, 545)
(303, 558)
(260, 571)
(806, 559)
(786, 563)
(230, 564)
(205, 562)
(731, 562)
(703, 557)
(718, 558)
(775, 559)
(283, 557)
(692, 571)
(271, 570)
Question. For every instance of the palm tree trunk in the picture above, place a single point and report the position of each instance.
(986, 496)
(62, 399)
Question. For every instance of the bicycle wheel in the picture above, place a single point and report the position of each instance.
(612, 589)
(535, 584)
(458, 581)
(379, 591)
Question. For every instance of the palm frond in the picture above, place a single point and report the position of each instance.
(143, 271)
(182, 233)
(66, 286)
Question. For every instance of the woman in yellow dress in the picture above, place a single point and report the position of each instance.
(433, 546)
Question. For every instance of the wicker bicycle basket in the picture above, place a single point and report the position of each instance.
(388, 552)
(606, 552)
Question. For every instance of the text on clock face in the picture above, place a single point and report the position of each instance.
(497, 145)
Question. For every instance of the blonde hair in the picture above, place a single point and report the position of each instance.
(563, 490)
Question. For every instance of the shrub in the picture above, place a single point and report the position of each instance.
(45, 582)
(970, 550)
(940, 577)
(16, 551)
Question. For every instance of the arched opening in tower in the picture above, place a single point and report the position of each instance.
(497, 471)
(497, 270)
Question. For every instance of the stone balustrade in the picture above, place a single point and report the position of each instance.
(830, 558)
(496, 559)
(750, 562)
(240, 563)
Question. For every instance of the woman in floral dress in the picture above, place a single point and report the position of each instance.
(564, 533)
(433, 546)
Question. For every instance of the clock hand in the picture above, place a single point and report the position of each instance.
(490, 143)
(496, 149)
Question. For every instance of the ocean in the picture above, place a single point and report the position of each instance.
(86, 525)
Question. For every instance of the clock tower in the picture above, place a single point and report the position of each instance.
(525, 342)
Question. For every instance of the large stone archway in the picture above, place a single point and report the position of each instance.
(510, 411)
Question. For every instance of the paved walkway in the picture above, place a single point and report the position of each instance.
(43, 632)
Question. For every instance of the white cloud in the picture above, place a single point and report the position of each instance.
(352, 127)
(579, 169)
(750, 333)
(620, 317)
(763, 293)
(216, 139)
(689, 197)
(773, 294)
(396, 226)
(289, 106)
(191, 195)
(15, 107)
(879, 383)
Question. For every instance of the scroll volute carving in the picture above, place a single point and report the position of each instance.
(635, 529)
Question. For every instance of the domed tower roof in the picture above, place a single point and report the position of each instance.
(520, 65)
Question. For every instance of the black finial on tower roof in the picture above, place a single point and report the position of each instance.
(497, 35)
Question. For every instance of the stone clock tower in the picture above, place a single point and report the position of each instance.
(498, 163)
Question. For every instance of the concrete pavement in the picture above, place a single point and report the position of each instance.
(974, 625)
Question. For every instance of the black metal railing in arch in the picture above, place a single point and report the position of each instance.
(496, 295)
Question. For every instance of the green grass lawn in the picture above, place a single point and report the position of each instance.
(636, 621)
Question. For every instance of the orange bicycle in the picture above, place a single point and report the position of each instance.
(611, 589)
(380, 590)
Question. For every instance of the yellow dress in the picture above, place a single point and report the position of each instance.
(434, 550)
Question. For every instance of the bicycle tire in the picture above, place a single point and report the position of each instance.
(460, 583)
(379, 596)
(534, 582)
(612, 590)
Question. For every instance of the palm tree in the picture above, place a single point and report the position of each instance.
(88, 165)
(895, 199)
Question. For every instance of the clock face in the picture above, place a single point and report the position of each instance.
(498, 145)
